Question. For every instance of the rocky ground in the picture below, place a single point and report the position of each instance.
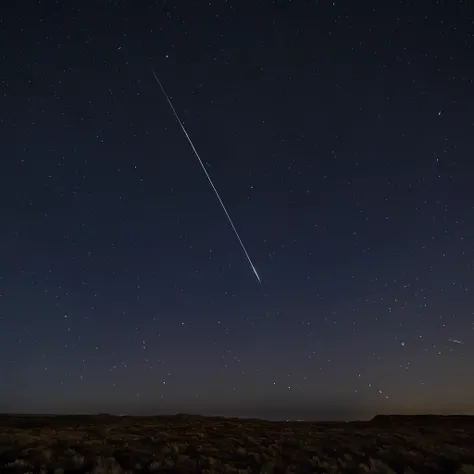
(193, 444)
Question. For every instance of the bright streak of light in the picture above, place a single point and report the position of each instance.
(208, 177)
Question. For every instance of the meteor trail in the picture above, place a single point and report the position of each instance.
(208, 177)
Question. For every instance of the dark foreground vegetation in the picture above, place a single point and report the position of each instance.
(193, 444)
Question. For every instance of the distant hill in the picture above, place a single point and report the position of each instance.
(421, 419)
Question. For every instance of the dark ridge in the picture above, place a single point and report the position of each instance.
(36, 420)
(422, 419)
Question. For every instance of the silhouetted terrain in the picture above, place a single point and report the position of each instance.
(197, 444)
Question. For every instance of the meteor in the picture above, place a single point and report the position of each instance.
(208, 177)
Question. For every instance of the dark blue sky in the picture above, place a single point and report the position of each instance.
(340, 137)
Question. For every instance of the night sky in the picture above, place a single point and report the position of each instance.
(340, 136)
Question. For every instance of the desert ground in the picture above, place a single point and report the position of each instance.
(194, 444)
